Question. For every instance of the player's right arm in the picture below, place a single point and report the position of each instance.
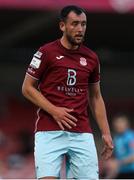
(60, 114)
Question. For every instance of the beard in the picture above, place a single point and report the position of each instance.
(76, 40)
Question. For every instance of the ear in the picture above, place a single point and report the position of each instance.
(62, 26)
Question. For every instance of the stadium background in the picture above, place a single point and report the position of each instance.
(24, 27)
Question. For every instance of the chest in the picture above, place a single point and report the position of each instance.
(71, 65)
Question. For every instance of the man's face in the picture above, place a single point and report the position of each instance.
(120, 124)
(74, 28)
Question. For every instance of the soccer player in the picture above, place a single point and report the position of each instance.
(121, 166)
(62, 79)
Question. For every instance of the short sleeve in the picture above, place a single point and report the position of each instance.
(38, 64)
(95, 75)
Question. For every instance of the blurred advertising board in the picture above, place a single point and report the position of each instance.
(120, 6)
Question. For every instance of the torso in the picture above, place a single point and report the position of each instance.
(64, 82)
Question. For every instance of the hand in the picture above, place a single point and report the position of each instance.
(108, 146)
(63, 118)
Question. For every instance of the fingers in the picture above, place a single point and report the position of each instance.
(109, 144)
(60, 125)
(108, 141)
(71, 117)
(68, 110)
(108, 147)
(70, 122)
(106, 152)
(66, 120)
(66, 124)
(106, 155)
(103, 153)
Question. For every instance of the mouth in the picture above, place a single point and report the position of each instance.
(79, 36)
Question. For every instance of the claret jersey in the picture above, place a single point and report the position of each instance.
(64, 76)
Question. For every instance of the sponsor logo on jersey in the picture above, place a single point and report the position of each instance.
(38, 54)
(59, 57)
(35, 63)
(70, 91)
(83, 61)
(71, 79)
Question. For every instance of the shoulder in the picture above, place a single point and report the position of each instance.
(130, 134)
(92, 54)
(48, 47)
(43, 53)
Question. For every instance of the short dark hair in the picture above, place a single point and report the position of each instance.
(121, 115)
(67, 9)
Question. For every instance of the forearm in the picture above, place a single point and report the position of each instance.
(61, 115)
(99, 112)
(38, 99)
(127, 160)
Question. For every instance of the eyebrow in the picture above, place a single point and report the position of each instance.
(76, 21)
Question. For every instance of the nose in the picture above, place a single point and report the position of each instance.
(80, 29)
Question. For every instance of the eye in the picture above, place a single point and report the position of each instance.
(75, 23)
(83, 23)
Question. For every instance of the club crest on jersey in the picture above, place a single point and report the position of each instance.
(83, 61)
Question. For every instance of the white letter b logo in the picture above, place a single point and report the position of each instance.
(71, 80)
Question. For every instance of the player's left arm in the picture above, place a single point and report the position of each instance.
(99, 112)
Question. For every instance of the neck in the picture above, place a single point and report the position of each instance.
(68, 45)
